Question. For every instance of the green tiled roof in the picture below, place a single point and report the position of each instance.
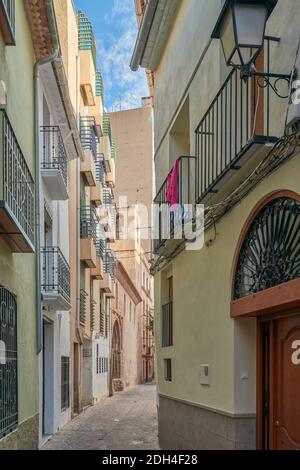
(99, 85)
(86, 35)
(106, 126)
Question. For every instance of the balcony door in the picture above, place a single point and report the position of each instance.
(49, 256)
(280, 383)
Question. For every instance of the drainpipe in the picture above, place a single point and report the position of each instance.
(78, 333)
(38, 64)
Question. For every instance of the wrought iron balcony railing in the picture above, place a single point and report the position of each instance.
(88, 223)
(16, 191)
(7, 8)
(108, 197)
(241, 120)
(110, 263)
(88, 134)
(83, 297)
(55, 277)
(101, 243)
(100, 168)
(54, 162)
(165, 220)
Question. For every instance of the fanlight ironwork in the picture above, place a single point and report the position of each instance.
(270, 254)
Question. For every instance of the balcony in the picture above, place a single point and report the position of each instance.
(96, 195)
(110, 173)
(169, 233)
(107, 284)
(54, 163)
(89, 134)
(88, 235)
(7, 21)
(16, 192)
(97, 272)
(83, 306)
(55, 279)
(110, 214)
(100, 169)
(88, 169)
(238, 130)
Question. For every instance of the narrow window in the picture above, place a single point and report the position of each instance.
(168, 370)
(65, 383)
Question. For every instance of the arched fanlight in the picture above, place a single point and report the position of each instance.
(241, 29)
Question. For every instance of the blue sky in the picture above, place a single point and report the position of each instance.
(115, 30)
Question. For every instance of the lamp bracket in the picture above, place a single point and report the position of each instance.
(271, 80)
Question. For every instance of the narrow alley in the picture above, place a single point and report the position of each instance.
(126, 421)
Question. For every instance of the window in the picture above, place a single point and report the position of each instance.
(65, 382)
(97, 359)
(102, 365)
(8, 363)
(106, 325)
(168, 370)
(7, 21)
(167, 325)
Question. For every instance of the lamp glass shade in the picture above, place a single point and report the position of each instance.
(242, 32)
(227, 36)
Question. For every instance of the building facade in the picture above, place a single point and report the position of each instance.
(18, 351)
(133, 134)
(91, 205)
(125, 332)
(227, 313)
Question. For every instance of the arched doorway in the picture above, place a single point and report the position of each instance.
(266, 284)
(8, 363)
(116, 358)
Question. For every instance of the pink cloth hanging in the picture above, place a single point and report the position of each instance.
(172, 191)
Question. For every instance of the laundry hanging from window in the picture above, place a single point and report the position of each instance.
(172, 190)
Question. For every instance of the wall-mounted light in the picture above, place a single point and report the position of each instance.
(241, 28)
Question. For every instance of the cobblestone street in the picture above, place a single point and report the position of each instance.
(126, 421)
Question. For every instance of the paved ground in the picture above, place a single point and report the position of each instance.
(126, 421)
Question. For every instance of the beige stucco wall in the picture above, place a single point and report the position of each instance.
(204, 333)
(17, 271)
(132, 132)
(68, 34)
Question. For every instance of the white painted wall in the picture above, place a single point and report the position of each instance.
(58, 330)
(100, 380)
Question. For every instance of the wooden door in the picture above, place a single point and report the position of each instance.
(285, 384)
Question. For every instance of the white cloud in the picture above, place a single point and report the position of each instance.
(114, 53)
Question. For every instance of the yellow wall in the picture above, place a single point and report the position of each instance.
(17, 271)
(204, 333)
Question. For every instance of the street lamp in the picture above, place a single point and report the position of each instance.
(241, 29)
